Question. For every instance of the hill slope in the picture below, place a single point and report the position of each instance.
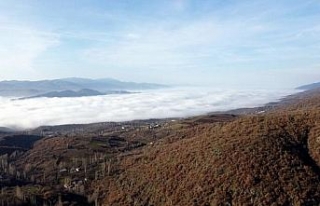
(270, 159)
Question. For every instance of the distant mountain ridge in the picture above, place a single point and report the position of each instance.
(310, 86)
(34, 88)
(70, 93)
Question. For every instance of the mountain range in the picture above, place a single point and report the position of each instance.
(54, 87)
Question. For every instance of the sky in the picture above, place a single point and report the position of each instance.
(221, 43)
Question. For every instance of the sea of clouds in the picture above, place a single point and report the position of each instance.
(177, 102)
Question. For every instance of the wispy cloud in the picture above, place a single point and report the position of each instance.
(239, 37)
(155, 46)
(20, 46)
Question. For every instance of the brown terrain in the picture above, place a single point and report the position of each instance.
(261, 156)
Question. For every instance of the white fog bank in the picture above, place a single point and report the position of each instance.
(182, 102)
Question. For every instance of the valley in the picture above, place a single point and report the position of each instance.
(233, 158)
(160, 103)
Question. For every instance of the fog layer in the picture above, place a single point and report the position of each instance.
(182, 102)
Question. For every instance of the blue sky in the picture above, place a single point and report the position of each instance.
(223, 43)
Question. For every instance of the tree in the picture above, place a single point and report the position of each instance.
(19, 193)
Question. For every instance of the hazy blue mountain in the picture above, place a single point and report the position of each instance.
(34, 88)
(5, 130)
(70, 93)
(310, 86)
(111, 84)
